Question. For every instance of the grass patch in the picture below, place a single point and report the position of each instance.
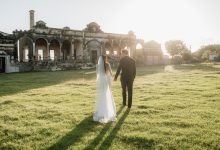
(174, 107)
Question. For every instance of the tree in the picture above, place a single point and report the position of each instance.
(187, 56)
(176, 47)
(205, 51)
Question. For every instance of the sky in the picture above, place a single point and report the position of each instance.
(195, 22)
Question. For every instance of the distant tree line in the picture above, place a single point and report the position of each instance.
(180, 53)
(208, 53)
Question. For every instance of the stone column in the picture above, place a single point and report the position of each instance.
(48, 50)
(61, 54)
(82, 49)
(18, 48)
(72, 50)
(34, 50)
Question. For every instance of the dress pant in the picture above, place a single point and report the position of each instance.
(127, 87)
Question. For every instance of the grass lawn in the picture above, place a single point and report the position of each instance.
(174, 107)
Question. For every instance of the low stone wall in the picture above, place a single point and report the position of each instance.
(25, 67)
(57, 66)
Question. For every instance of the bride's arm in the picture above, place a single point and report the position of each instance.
(96, 69)
(110, 69)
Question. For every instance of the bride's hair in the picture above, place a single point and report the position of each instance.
(104, 57)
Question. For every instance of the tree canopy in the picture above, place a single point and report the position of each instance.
(176, 47)
(204, 52)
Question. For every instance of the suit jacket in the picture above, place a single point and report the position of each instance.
(127, 68)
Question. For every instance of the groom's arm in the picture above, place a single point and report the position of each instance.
(118, 71)
(134, 69)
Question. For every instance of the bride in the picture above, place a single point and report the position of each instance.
(105, 110)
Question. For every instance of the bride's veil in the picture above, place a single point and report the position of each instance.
(100, 70)
(105, 107)
(101, 81)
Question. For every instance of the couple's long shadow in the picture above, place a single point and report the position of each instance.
(108, 140)
(75, 135)
(83, 128)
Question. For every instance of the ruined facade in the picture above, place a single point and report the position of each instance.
(45, 43)
(48, 48)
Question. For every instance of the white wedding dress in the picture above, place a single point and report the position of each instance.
(105, 110)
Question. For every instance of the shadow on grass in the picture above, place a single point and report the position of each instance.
(75, 135)
(140, 142)
(108, 140)
(19, 82)
(102, 133)
(78, 132)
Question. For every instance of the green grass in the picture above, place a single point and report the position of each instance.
(174, 107)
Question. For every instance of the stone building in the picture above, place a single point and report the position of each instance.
(7, 43)
(7, 50)
(153, 53)
(41, 42)
(62, 48)
(149, 53)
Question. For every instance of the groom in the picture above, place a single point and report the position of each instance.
(128, 72)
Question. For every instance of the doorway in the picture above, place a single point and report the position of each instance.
(94, 56)
(2, 64)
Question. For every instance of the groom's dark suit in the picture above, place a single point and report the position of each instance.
(128, 72)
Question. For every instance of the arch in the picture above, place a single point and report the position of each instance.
(123, 44)
(27, 37)
(139, 46)
(139, 53)
(26, 49)
(54, 39)
(77, 50)
(108, 48)
(117, 47)
(115, 43)
(42, 51)
(66, 50)
(24, 35)
(139, 50)
(93, 40)
(40, 37)
(54, 49)
(94, 50)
